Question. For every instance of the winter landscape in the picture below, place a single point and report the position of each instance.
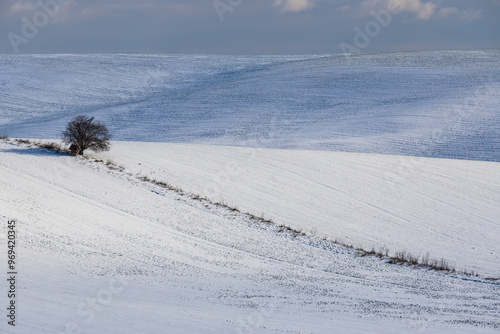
(255, 194)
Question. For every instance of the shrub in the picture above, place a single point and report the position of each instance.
(84, 133)
(51, 146)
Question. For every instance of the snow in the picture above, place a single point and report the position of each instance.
(440, 104)
(102, 251)
(397, 150)
(448, 208)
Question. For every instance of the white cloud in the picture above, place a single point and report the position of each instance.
(448, 11)
(424, 10)
(22, 7)
(467, 15)
(293, 5)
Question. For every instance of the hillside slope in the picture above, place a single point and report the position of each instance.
(440, 104)
(102, 252)
(449, 208)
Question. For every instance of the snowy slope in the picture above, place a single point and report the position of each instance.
(434, 104)
(102, 252)
(449, 208)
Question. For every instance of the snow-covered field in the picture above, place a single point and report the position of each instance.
(449, 208)
(433, 104)
(395, 150)
(102, 252)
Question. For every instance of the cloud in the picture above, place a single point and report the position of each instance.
(424, 10)
(448, 11)
(293, 5)
(22, 7)
(307, 26)
(467, 15)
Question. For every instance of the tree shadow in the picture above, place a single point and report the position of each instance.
(38, 151)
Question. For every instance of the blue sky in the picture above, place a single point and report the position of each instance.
(246, 26)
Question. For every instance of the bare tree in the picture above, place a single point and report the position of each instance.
(84, 133)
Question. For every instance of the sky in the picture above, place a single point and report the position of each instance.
(246, 26)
